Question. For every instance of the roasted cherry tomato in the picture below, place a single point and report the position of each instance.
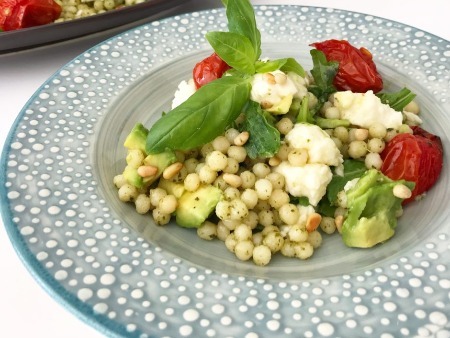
(209, 69)
(417, 158)
(16, 14)
(357, 71)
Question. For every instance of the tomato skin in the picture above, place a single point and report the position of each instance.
(417, 158)
(28, 13)
(357, 71)
(209, 69)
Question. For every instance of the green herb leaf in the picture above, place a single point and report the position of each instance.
(304, 113)
(323, 73)
(235, 49)
(291, 65)
(331, 123)
(264, 140)
(241, 20)
(352, 169)
(286, 65)
(397, 100)
(201, 118)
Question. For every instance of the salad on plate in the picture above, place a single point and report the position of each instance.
(270, 158)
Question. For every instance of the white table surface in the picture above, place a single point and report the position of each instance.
(26, 310)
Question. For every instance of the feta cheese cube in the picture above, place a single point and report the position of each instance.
(366, 109)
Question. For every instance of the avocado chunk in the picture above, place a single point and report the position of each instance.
(372, 210)
(172, 188)
(136, 139)
(195, 207)
(281, 107)
(132, 177)
(161, 161)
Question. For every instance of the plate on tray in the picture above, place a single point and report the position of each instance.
(122, 18)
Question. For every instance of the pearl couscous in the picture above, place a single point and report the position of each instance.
(76, 9)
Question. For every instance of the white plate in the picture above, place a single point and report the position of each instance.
(130, 278)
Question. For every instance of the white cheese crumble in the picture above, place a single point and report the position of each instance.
(184, 91)
(366, 109)
(321, 148)
(276, 96)
(310, 180)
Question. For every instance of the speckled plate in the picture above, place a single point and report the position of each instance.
(130, 278)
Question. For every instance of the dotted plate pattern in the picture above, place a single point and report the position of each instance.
(77, 244)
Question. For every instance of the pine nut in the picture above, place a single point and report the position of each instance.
(172, 170)
(266, 104)
(339, 220)
(402, 191)
(233, 180)
(241, 139)
(147, 170)
(269, 78)
(313, 221)
(280, 78)
(274, 161)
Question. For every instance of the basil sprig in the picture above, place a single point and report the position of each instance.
(240, 48)
(242, 21)
(235, 49)
(201, 118)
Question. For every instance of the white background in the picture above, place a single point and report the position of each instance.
(26, 310)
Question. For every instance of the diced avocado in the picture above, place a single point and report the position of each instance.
(372, 210)
(132, 177)
(136, 139)
(172, 188)
(161, 161)
(195, 207)
(282, 107)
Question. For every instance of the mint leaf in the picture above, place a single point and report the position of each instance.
(264, 140)
(235, 49)
(201, 118)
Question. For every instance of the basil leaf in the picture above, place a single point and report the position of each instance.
(398, 100)
(201, 118)
(286, 65)
(236, 50)
(241, 20)
(264, 140)
(291, 65)
(323, 73)
(352, 169)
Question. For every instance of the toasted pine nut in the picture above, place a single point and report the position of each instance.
(241, 139)
(269, 77)
(266, 104)
(233, 180)
(401, 191)
(313, 221)
(280, 78)
(274, 161)
(172, 170)
(339, 220)
(147, 170)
